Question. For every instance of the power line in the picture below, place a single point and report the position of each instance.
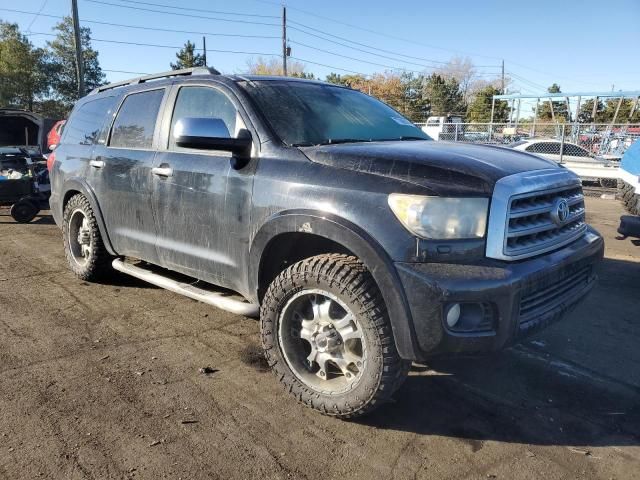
(44, 4)
(355, 43)
(526, 81)
(312, 14)
(124, 71)
(358, 49)
(440, 63)
(330, 66)
(354, 58)
(168, 30)
(250, 22)
(122, 42)
(419, 43)
(201, 9)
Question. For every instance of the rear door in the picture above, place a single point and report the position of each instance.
(121, 169)
(203, 204)
(82, 132)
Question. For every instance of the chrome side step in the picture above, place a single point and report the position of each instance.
(216, 299)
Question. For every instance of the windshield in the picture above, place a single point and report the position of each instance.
(303, 114)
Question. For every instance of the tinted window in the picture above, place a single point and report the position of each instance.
(136, 120)
(575, 150)
(203, 102)
(550, 148)
(304, 113)
(86, 122)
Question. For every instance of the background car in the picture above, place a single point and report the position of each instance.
(589, 167)
(53, 137)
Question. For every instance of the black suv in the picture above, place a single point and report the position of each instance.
(363, 244)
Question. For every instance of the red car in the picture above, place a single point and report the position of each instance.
(53, 137)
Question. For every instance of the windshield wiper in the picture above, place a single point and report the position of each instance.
(334, 141)
(408, 137)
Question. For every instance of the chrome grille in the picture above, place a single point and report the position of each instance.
(531, 225)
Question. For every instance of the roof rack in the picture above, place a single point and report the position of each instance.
(156, 76)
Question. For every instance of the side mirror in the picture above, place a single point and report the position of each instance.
(210, 134)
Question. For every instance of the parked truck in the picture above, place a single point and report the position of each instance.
(361, 245)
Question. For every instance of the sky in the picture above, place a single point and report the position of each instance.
(581, 45)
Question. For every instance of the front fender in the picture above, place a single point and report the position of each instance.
(77, 184)
(356, 240)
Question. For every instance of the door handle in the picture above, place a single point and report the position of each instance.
(96, 163)
(162, 171)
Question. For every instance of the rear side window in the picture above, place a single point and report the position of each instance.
(136, 120)
(86, 122)
(550, 148)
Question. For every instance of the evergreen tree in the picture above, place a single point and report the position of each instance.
(187, 58)
(62, 63)
(560, 111)
(22, 69)
(480, 107)
(444, 96)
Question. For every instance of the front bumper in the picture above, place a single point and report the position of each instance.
(523, 296)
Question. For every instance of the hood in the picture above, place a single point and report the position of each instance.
(442, 167)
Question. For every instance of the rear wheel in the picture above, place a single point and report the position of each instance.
(327, 336)
(85, 252)
(24, 210)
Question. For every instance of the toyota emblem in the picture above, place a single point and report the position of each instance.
(560, 212)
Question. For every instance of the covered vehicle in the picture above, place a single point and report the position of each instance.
(24, 183)
(24, 129)
(587, 166)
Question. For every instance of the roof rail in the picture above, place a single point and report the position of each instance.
(157, 76)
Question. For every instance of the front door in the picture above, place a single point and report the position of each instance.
(202, 203)
(124, 166)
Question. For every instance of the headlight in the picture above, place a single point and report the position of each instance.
(441, 218)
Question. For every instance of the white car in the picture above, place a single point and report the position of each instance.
(577, 159)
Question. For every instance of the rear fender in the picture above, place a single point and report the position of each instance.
(80, 185)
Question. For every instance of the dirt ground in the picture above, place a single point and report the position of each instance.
(102, 381)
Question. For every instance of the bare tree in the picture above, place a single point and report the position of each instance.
(273, 66)
(463, 71)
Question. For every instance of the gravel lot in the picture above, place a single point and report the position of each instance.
(102, 381)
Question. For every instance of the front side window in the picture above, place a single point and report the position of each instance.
(136, 121)
(85, 123)
(304, 113)
(203, 102)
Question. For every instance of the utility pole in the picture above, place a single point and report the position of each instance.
(284, 40)
(502, 89)
(204, 49)
(76, 37)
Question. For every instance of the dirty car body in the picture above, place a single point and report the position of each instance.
(313, 185)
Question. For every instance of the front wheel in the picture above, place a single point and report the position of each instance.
(327, 336)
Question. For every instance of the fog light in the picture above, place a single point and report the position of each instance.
(453, 315)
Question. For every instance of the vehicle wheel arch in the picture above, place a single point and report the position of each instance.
(329, 230)
(76, 186)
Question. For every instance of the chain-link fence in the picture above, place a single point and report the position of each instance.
(605, 140)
